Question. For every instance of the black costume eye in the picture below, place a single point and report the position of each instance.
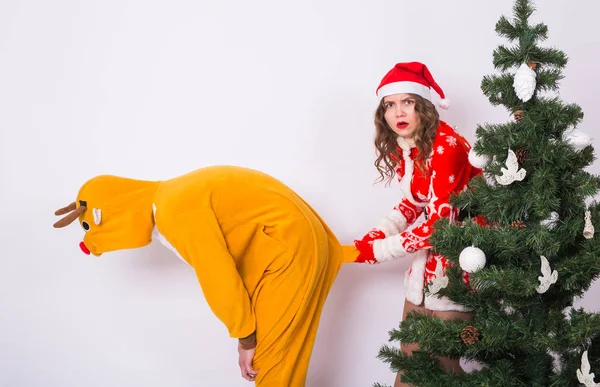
(85, 225)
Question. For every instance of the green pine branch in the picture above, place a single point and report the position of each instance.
(522, 10)
(420, 369)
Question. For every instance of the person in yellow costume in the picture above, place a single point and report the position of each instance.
(263, 257)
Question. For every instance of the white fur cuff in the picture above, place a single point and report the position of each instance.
(387, 226)
(388, 249)
(399, 220)
(392, 224)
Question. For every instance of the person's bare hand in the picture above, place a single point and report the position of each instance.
(245, 362)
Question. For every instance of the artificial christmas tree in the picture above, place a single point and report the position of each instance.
(536, 252)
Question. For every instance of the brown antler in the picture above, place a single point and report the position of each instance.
(65, 210)
(67, 220)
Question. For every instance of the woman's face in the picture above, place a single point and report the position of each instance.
(400, 114)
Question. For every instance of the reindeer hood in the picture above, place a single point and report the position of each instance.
(115, 213)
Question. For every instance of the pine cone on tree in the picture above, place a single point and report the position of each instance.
(469, 335)
(532, 65)
(517, 224)
(522, 155)
(519, 114)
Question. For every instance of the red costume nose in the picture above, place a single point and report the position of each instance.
(84, 248)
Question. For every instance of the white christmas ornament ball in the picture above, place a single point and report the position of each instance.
(471, 259)
(478, 161)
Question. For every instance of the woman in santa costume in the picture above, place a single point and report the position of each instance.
(430, 160)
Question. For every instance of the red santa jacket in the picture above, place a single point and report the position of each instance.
(447, 171)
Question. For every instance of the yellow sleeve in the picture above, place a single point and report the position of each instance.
(198, 238)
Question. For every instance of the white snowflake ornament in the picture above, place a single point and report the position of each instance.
(548, 276)
(472, 259)
(512, 172)
(477, 160)
(584, 375)
(524, 82)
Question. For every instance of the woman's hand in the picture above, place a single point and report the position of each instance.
(365, 246)
(245, 362)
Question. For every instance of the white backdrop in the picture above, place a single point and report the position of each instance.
(150, 90)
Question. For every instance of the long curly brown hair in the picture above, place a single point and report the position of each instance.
(385, 138)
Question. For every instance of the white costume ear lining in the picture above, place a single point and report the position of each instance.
(97, 215)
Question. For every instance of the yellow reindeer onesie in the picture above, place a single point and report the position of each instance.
(263, 257)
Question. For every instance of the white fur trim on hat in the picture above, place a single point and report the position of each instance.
(404, 87)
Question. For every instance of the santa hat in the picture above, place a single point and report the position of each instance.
(413, 78)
